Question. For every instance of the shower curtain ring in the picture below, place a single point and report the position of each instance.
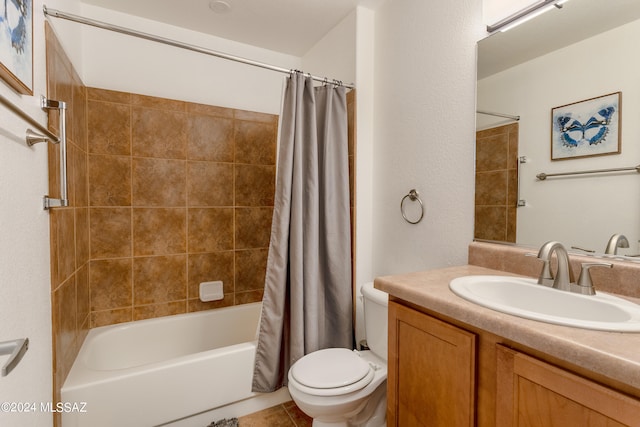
(413, 196)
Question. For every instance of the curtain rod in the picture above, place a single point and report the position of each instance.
(506, 116)
(105, 26)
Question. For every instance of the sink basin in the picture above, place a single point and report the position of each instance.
(525, 298)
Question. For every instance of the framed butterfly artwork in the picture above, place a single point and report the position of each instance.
(16, 44)
(587, 128)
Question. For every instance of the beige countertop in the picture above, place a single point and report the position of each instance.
(615, 355)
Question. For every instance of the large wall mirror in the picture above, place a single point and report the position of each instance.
(586, 49)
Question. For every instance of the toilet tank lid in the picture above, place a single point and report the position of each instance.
(378, 296)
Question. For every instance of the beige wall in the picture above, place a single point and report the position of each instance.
(423, 132)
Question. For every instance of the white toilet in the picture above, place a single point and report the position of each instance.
(339, 387)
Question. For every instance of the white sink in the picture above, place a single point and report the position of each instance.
(525, 298)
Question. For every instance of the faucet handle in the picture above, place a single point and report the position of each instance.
(585, 285)
(546, 276)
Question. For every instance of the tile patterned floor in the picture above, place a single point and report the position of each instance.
(285, 415)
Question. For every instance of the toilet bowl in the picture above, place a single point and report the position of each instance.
(339, 387)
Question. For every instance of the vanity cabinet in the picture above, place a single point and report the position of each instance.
(431, 371)
(441, 374)
(534, 393)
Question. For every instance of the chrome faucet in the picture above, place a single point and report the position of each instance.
(564, 279)
(616, 241)
(564, 274)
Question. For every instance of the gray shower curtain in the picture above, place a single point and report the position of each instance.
(307, 303)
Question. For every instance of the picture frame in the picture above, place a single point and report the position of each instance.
(587, 128)
(16, 45)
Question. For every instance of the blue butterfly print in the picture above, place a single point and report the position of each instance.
(593, 131)
(18, 32)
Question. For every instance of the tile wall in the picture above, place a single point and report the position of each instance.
(179, 193)
(496, 183)
(69, 227)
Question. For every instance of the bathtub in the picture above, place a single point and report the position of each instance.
(184, 370)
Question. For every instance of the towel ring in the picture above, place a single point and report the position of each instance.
(413, 196)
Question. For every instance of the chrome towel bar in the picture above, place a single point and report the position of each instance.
(46, 135)
(27, 118)
(543, 176)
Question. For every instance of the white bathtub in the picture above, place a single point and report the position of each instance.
(184, 370)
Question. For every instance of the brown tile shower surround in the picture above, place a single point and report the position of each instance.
(496, 183)
(179, 193)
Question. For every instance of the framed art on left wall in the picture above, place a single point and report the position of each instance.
(16, 44)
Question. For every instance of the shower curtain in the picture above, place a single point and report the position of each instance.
(307, 303)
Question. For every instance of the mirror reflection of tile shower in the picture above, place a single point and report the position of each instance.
(496, 183)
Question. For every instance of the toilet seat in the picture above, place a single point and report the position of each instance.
(331, 372)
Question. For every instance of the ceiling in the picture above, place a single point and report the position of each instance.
(287, 26)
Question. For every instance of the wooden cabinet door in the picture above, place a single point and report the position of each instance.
(534, 393)
(431, 371)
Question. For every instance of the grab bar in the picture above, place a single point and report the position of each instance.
(519, 201)
(543, 176)
(61, 106)
(17, 349)
(34, 138)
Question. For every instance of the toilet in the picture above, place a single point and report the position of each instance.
(339, 387)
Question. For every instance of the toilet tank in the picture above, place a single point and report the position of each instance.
(376, 304)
